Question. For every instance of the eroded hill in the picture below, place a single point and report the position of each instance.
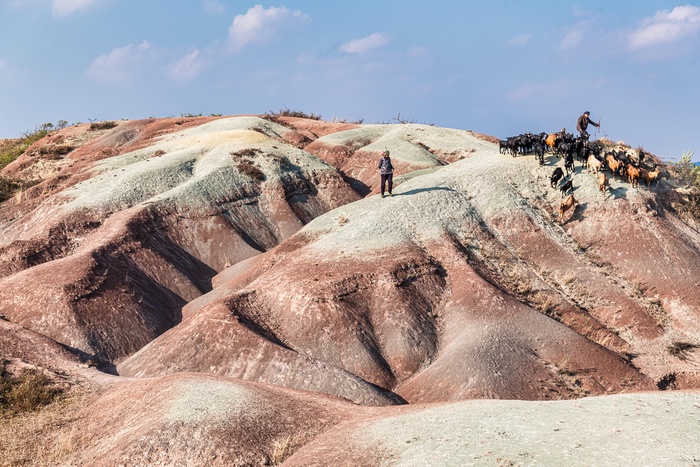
(241, 251)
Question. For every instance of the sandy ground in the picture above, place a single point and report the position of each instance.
(643, 429)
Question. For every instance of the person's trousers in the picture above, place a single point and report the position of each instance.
(387, 178)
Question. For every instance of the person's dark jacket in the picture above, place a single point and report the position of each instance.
(583, 122)
(385, 166)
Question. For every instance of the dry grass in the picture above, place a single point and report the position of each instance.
(47, 436)
(25, 392)
(281, 450)
(33, 410)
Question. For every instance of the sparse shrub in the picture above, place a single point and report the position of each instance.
(681, 349)
(13, 148)
(53, 151)
(686, 170)
(345, 120)
(11, 188)
(667, 381)
(8, 188)
(106, 125)
(249, 169)
(275, 116)
(190, 115)
(361, 143)
(247, 152)
(26, 392)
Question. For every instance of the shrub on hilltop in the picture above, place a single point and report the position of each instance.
(275, 116)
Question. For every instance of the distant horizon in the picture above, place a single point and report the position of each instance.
(56, 125)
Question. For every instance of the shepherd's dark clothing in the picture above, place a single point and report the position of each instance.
(386, 171)
(582, 125)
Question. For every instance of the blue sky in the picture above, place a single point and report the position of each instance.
(498, 67)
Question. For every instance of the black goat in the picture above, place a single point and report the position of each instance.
(556, 176)
(569, 163)
(539, 150)
(569, 185)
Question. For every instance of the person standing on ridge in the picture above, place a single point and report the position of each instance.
(386, 172)
(582, 124)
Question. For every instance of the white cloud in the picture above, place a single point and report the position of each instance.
(259, 25)
(575, 36)
(63, 8)
(122, 65)
(360, 46)
(185, 68)
(666, 27)
(519, 41)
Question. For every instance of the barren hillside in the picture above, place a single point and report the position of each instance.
(248, 256)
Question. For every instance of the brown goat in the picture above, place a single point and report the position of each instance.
(594, 163)
(649, 176)
(613, 164)
(603, 182)
(568, 203)
(633, 175)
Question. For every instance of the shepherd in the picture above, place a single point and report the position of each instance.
(582, 124)
(386, 172)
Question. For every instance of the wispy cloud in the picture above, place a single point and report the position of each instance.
(666, 27)
(260, 24)
(360, 46)
(575, 35)
(63, 8)
(185, 68)
(122, 65)
(519, 41)
(418, 52)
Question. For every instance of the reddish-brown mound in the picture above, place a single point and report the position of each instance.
(188, 419)
(144, 218)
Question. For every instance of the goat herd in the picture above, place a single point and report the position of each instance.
(590, 154)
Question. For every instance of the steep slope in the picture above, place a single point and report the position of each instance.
(463, 285)
(138, 234)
